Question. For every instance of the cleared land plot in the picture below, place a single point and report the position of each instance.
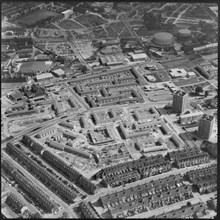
(181, 63)
(69, 24)
(117, 29)
(100, 33)
(90, 20)
(142, 31)
(160, 96)
(42, 33)
(183, 82)
(35, 16)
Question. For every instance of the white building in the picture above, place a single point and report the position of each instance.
(150, 78)
(44, 76)
(59, 72)
(139, 57)
(176, 72)
(67, 13)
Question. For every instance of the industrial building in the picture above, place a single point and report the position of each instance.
(179, 101)
(111, 60)
(139, 57)
(44, 76)
(206, 124)
(58, 72)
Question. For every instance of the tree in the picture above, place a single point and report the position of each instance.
(206, 93)
(199, 89)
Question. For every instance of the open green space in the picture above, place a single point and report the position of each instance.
(89, 20)
(69, 24)
(34, 17)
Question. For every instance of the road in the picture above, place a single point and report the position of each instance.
(173, 13)
(211, 13)
(77, 97)
(40, 185)
(180, 14)
(133, 33)
(175, 171)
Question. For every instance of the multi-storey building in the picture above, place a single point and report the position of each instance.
(206, 124)
(179, 101)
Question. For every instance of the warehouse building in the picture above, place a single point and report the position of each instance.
(139, 57)
(111, 60)
(58, 72)
(44, 76)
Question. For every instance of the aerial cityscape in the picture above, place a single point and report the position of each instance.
(109, 109)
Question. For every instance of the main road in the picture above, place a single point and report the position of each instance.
(133, 33)
(40, 185)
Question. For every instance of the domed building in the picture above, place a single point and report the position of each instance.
(162, 39)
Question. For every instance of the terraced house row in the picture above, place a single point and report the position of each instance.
(147, 196)
(61, 166)
(29, 188)
(133, 170)
(205, 179)
(193, 211)
(42, 174)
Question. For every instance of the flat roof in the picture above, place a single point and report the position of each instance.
(44, 76)
(139, 55)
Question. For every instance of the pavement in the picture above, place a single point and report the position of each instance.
(174, 171)
(40, 185)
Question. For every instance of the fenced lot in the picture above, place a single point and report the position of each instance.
(34, 17)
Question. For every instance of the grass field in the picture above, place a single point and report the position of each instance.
(89, 20)
(35, 16)
(185, 82)
(117, 29)
(69, 24)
